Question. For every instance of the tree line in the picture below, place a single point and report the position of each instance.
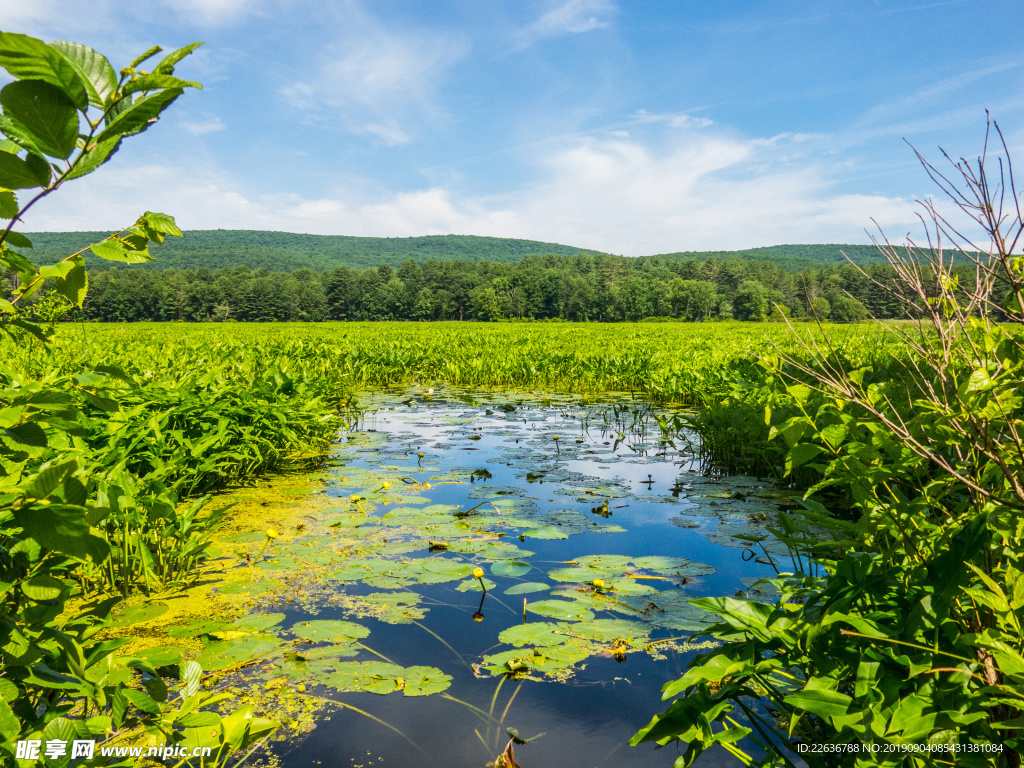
(584, 287)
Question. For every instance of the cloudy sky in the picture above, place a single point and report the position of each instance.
(627, 127)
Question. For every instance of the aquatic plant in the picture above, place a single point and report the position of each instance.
(908, 649)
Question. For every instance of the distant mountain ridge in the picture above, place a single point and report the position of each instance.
(217, 248)
(286, 251)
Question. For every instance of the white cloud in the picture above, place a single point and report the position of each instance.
(572, 17)
(705, 192)
(213, 12)
(380, 81)
(390, 134)
(375, 72)
(672, 119)
(209, 124)
(63, 19)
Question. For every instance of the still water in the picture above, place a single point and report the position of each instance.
(592, 530)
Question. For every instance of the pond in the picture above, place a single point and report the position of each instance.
(592, 530)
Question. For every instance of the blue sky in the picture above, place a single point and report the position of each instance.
(632, 128)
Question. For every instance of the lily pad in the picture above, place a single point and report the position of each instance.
(473, 585)
(608, 629)
(546, 532)
(382, 678)
(231, 653)
(514, 568)
(527, 588)
(563, 610)
(319, 630)
(541, 633)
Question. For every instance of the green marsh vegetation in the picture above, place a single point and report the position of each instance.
(102, 467)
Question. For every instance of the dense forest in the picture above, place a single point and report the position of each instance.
(584, 287)
(285, 251)
(253, 276)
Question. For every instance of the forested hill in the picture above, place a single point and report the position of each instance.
(286, 251)
(793, 258)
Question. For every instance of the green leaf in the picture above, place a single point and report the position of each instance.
(155, 82)
(143, 701)
(28, 433)
(425, 681)
(42, 587)
(16, 173)
(46, 112)
(527, 588)
(233, 652)
(140, 115)
(820, 702)
(800, 454)
(191, 675)
(18, 240)
(97, 154)
(9, 724)
(114, 250)
(64, 730)
(62, 528)
(47, 481)
(160, 222)
(93, 69)
(30, 59)
(565, 610)
(18, 136)
(150, 53)
(35, 329)
(200, 720)
(17, 262)
(60, 269)
(8, 205)
(166, 65)
(334, 631)
(74, 285)
(161, 655)
(542, 633)
(514, 568)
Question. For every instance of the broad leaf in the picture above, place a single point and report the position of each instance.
(74, 284)
(30, 59)
(140, 115)
(335, 631)
(42, 587)
(47, 481)
(156, 82)
(97, 154)
(62, 528)
(160, 222)
(18, 240)
(115, 250)
(93, 69)
(16, 173)
(8, 205)
(45, 112)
